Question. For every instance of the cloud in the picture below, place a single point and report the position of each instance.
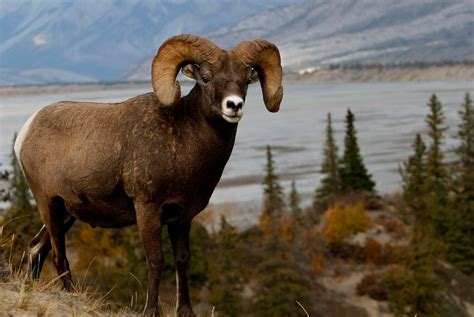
(40, 40)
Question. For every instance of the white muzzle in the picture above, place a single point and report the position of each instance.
(232, 108)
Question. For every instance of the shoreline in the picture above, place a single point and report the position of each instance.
(433, 73)
(458, 72)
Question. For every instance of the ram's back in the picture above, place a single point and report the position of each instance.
(67, 145)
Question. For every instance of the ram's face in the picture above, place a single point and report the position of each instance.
(223, 85)
(222, 76)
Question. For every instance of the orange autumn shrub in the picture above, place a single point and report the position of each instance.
(317, 263)
(345, 220)
(373, 286)
(314, 248)
(264, 222)
(374, 252)
(287, 229)
(393, 226)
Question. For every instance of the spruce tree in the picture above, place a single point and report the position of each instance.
(465, 151)
(226, 280)
(461, 235)
(437, 181)
(414, 289)
(354, 175)
(295, 209)
(435, 166)
(413, 172)
(273, 205)
(281, 278)
(297, 222)
(331, 182)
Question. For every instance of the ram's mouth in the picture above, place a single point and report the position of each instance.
(232, 119)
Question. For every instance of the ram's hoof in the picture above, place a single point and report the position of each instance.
(185, 312)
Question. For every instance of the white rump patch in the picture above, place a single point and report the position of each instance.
(20, 138)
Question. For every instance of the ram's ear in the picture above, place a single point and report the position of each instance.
(253, 76)
(191, 71)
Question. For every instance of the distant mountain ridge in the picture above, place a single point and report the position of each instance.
(87, 40)
(364, 30)
(322, 32)
(115, 40)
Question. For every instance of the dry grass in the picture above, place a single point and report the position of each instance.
(20, 295)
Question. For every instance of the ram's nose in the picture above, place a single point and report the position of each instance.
(235, 104)
(232, 108)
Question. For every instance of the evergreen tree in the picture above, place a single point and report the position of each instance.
(296, 222)
(273, 205)
(414, 175)
(465, 151)
(281, 280)
(331, 182)
(437, 181)
(414, 289)
(226, 281)
(296, 212)
(354, 175)
(435, 167)
(461, 236)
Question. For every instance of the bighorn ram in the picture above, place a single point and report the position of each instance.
(152, 160)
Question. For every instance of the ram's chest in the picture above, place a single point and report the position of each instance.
(198, 167)
(184, 171)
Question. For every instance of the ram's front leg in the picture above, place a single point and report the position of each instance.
(149, 228)
(179, 236)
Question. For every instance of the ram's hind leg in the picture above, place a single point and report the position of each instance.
(53, 212)
(41, 245)
(38, 251)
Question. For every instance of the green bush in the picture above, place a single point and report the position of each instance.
(373, 286)
(413, 291)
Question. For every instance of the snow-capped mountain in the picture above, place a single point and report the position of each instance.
(52, 40)
(320, 32)
(87, 40)
(324, 32)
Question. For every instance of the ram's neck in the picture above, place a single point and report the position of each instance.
(197, 107)
(213, 136)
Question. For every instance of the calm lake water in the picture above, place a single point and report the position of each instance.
(387, 117)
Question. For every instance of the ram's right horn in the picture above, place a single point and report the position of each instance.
(174, 54)
(264, 57)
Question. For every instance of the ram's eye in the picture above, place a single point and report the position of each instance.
(205, 79)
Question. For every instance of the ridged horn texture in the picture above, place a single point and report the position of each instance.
(171, 56)
(264, 57)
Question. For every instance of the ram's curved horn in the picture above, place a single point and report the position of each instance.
(171, 56)
(264, 57)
